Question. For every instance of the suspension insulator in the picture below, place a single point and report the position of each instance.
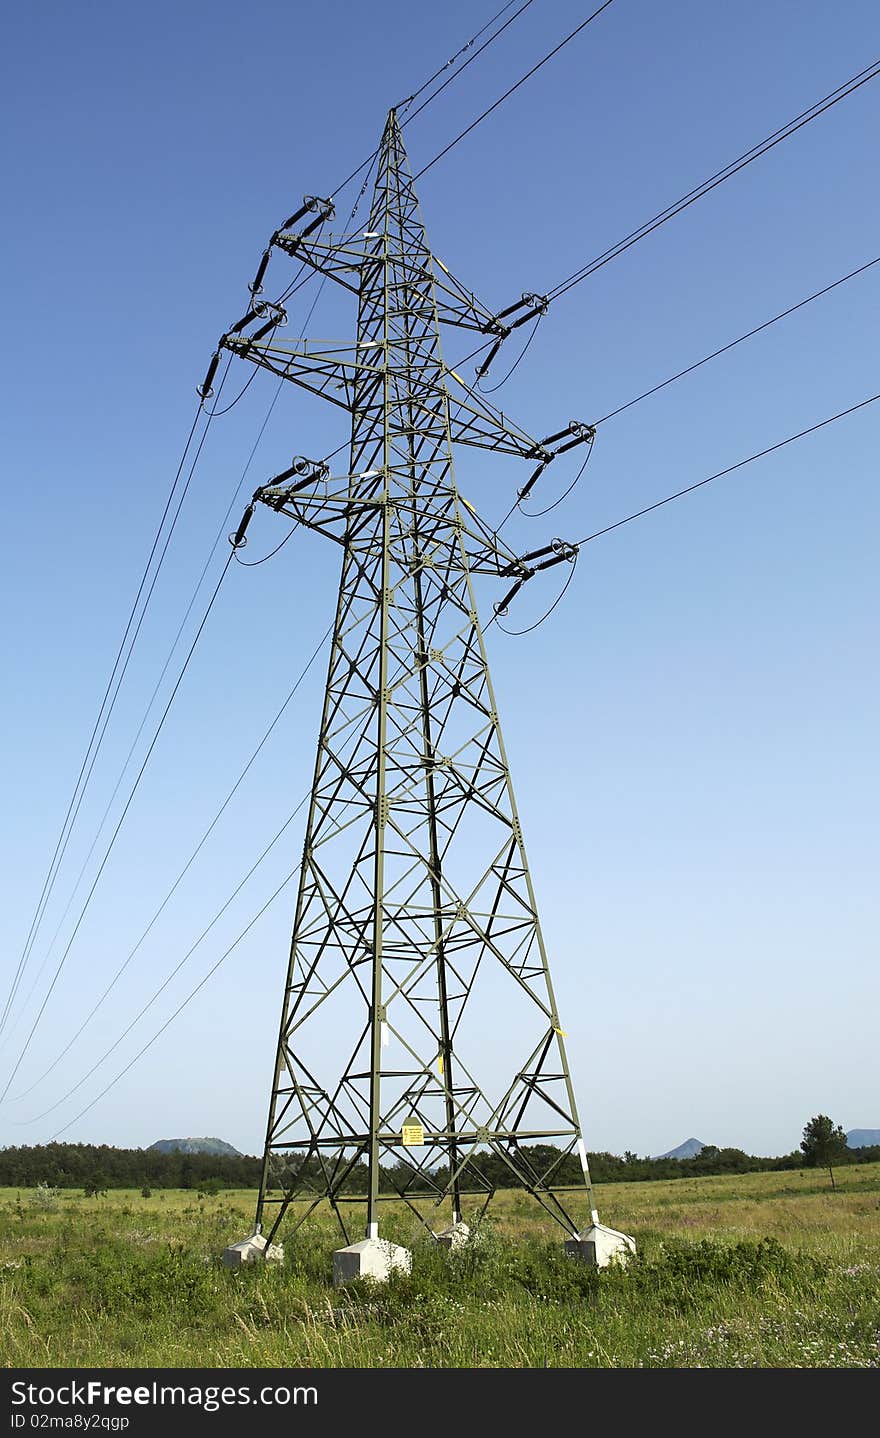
(303, 468)
(204, 390)
(524, 299)
(294, 219)
(243, 322)
(237, 540)
(483, 369)
(562, 551)
(256, 284)
(576, 427)
(513, 591)
(323, 214)
(532, 481)
(264, 330)
(583, 434)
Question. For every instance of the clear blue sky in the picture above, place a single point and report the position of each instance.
(693, 734)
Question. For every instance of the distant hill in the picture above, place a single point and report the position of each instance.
(689, 1149)
(195, 1145)
(863, 1137)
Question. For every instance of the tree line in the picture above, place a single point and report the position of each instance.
(97, 1168)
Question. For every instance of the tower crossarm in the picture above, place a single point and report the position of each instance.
(323, 368)
(326, 505)
(457, 305)
(338, 260)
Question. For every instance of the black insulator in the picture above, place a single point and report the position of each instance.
(514, 590)
(243, 322)
(567, 552)
(312, 469)
(538, 553)
(532, 480)
(560, 434)
(264, 330)
(256, 284)
(583, 434)
(286, 474)
(310, 478)
(529, 315)
(295, 219)
(540, 302)
(483, 368)
(512, 309)
(315, 224)
(581, 439)
(237, 539)
(204, 388)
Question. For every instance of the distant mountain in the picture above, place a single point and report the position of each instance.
(689, 1149)
(194, 1145)
(863, 1137)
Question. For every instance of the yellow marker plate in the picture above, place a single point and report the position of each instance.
(413, 1135)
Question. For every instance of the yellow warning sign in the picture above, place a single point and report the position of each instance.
(413, 1135)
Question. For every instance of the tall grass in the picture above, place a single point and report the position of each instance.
(771, 1270)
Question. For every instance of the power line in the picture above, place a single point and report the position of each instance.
(521, 81)
(104, 712)
(176, 640)
(463, 67)
(115, 833)
(799, 121)
(108, 712)
(574, 280)
(689, 369)
(783, 314)
(187, 866)
(431, 98)
(689, 489)
(176, 970)
(151, 701)
(182, 1006)
(76, 797)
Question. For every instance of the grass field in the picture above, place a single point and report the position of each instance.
(763, 1270)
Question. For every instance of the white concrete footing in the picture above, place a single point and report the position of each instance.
(601, 1246)
(455, 1236)
(374, 1258)
(251, 1250)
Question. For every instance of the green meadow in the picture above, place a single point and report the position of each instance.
(768, 1270)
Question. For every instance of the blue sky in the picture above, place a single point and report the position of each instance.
(693, 732)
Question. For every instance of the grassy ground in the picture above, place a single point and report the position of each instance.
(765, 1270)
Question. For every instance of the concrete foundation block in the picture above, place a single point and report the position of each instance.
(374, 1258)
(601, 1246)
(251, 1250)
(455, 1236)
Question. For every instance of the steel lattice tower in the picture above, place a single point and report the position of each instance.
(415, 915)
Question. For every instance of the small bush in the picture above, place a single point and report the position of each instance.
(44, 1198)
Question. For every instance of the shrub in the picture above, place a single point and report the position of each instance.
(44, 1198)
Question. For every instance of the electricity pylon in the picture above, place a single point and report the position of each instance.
(416, 925)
